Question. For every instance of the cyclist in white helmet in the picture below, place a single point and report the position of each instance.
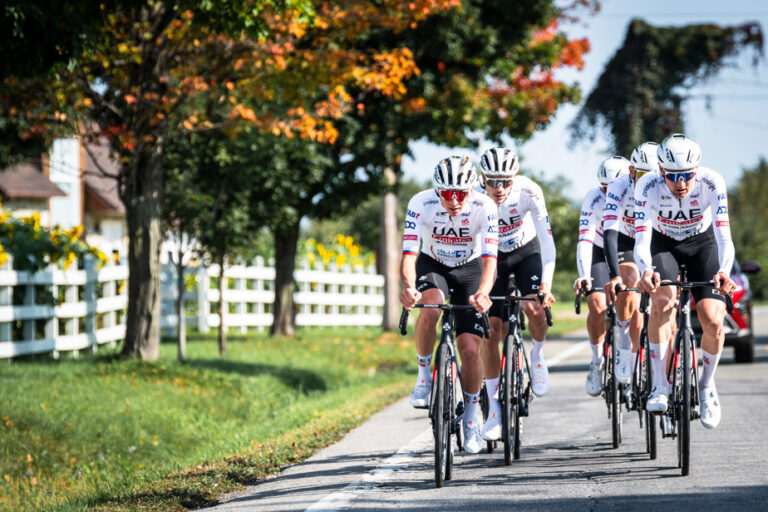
(449, 248)
(681, 217)
(527, 251)
(619, 245)
(593, 268)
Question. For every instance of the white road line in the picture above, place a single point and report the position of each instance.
(373, 479)
(403, 458)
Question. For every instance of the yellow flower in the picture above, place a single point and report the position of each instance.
(349, 242)
(311, 242)
(340, 260)
(36, 220)
(340, 239)
(354, 251)
(70, 259)
(311, 258)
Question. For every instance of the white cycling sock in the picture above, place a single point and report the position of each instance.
(659, 364)
(536, 354)
(492, 385)
(597, 352)
(623, 341)
(425, 370)
(708, 368)
(471, 409)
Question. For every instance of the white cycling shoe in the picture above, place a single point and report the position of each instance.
(594, 379)
(420, 395)
(622, 365)
(473, 440)
(540, 375)
(657, 402)
(492, 427)
(710, 407)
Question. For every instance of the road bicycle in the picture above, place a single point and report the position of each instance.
(642, 381)
(682, 371)
(612, 390)
(445, 408)
(515, 393)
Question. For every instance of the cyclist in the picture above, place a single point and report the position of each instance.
(681, 217)
(527, 250)
(449, 247)
(593, 269)
(619, 244)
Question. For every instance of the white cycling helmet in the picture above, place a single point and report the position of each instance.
(679, 153)
(611, 169)
(644, 157)
(500, 162)
(455, 173)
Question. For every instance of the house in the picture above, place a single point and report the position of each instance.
(25, 189)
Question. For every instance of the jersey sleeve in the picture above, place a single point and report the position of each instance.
(613, 198)
(489, 241)
(719, 208)
(412, 228)
(540, 217)
(643, 224)
(587, 232)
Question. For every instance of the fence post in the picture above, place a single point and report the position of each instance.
(202, 299)
(90, 299)
(6, 299)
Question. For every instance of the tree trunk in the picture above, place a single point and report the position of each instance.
(142, 202)
(222, 327)
(181, 320)
(390, 251)
(286, 240)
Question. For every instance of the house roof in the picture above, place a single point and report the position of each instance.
(26, 180)
(101, 171)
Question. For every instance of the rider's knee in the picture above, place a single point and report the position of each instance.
(429, 317)
(711, 325)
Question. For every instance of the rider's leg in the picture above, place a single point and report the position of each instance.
(425, 344)
(626, 308)
(489, 350)
(468, 345)
(711, 313)
(537, 325)
(596, 324)
(659, 332)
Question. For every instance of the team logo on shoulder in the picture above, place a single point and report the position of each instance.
(465, 222)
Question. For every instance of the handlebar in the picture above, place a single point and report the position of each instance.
(445, 307)
(577, 301)
(516, 298)
(687, 285)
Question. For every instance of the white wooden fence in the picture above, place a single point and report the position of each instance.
(55, 311)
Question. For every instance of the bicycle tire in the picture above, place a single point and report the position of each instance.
(506, 405)
(441, 423)
(615, 411)
(517, 411)
(650, 419)
(685, 404)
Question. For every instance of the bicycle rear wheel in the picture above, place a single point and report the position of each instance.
(647, 385)
(507, 426)
(615, 411)
(484, 407)
(441, 421)
(685, 404)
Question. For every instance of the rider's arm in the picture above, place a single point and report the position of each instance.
(719, 208)
(544, 234)
(408, 270)
(613, 198)
(643, 223)
(412, 227)
(587, 233)
(488, 276)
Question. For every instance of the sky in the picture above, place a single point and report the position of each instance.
(732, 131)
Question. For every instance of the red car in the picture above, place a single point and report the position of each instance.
(738, 326)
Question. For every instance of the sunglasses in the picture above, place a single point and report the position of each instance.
(640, 174)
(498, 182)
(674, 177)
(460, 195)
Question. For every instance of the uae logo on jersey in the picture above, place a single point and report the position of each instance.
(694, 203)
(465, 222)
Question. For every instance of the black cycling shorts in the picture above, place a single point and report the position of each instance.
(456, 283)
(599, 270)
(699, 255)
(626, 249)
(524, 263)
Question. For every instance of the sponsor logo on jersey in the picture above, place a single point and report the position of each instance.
(411, 213)
(721, 197)
(639, 215)
(722, 210)
(584, 222)
(613, 196)
(410, 225)
(640, 229)
(465, 222)
(610, 217)
(491, 241)
(410, 237)
(611, 207)
(722, 223)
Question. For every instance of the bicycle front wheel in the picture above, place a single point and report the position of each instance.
(647, 384)
(685, 403)
(441, 421)
(517, 401)
(507, 425)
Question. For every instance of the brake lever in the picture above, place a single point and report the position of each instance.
(548, 313)
(729, 303)
(486, 324)
(404, 322)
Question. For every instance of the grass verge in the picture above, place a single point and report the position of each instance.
(105, 433)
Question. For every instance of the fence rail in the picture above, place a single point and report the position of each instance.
(56, 311)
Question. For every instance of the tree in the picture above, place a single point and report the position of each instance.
(641, 92)
(747, 202)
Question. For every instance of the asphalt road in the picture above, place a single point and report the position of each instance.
(567, 461)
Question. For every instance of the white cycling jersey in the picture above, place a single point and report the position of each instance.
(522, 217)
(657, 209)
(452, 241)
(619, 209)
(590, 230)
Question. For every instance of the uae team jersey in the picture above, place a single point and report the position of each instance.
(522, 217)
(657, 209)
(590, 230)
(452, 241)
(619, 210)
